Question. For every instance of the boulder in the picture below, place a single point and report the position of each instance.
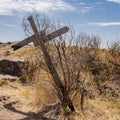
(11, 67)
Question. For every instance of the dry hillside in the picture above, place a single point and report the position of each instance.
(32, 96)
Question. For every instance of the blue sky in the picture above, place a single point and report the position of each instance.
(94, 17)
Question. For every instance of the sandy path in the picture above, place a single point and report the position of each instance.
(8, 98)
(13, 106)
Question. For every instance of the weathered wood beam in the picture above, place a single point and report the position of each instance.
(23, 43)
(50, 65)
(47, 38)
(35, 42)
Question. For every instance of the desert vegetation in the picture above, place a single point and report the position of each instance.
(82, 65)
(89, 74)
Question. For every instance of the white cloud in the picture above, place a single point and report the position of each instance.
(115, 1)
(9, 25)
(85, 9)
(104, 24)
(9, 7)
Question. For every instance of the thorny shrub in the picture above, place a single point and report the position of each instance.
(70, 54)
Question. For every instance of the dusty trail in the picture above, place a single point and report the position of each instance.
(8, 99)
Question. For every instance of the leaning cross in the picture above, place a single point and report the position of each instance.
(46, 38)
(40, 39)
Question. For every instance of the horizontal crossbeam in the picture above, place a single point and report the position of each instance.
(47, 38)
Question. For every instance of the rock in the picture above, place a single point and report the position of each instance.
(110, 90)
(11, 67)
(4, 98)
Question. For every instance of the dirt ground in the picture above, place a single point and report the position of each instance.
(9, 98)
(15, 104)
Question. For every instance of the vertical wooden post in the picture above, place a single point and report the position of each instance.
(50, 65)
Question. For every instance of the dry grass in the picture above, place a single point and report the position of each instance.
(4, 82)
(22, 52)
(116, 104)
(39, 95)
(43, 96)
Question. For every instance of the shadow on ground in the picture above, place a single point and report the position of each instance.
(36, 116)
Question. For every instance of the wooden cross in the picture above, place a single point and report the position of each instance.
(46, 38)
(41, 39)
